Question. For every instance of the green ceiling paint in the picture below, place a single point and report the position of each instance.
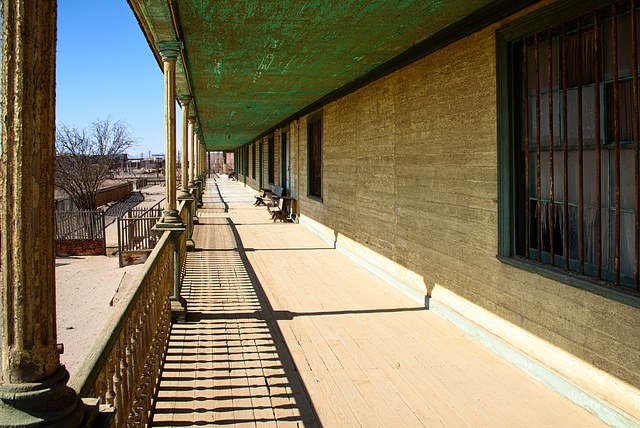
(254, 63)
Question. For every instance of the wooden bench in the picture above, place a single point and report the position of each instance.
(279, 212)
(261, 197)
(271, 199)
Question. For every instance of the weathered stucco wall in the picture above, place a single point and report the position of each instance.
(410, 184)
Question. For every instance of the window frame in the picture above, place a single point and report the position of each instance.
(316, 117)
(271, 159)
(253, 161)
(510, 199)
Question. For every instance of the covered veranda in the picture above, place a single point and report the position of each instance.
(236, 319)
(284, 330)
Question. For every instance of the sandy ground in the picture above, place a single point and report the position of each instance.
(88, 288)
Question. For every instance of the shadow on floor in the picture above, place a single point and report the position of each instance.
(228, 364)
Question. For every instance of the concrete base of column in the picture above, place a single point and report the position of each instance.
(189, 201)
(162, 227)
(48, 403)
(178, 309)
(200, 188)
(183, 193)
(170, 219)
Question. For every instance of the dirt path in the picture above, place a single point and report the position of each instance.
(86, 286)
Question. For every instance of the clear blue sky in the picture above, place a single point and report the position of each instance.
(105, 68)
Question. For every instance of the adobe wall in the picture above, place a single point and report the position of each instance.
(410, 184)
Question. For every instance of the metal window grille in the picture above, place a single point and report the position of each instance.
(253, 161)
(315, 157)
(270, 159)
(579, 145)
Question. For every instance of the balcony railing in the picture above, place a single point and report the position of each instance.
(135, 239)
(123, 366)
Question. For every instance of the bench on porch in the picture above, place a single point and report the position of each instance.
(271, 199)
(261, 197)
(281, 210)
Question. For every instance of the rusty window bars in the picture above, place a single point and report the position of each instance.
(579, 145)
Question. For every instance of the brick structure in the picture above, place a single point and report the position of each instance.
(83, 247)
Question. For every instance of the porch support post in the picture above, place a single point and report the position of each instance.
(169, 52)
(184, 171)
(184, 194)
(202, 178)
(197, 162)
(171, 221)
(204, 163)
(192, 124)
(33, 384)
(196, 143)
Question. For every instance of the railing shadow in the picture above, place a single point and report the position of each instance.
(222, 366)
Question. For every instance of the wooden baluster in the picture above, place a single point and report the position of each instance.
(143, 354)
(109, 370)
(96, 387)
(130, 366)
(136, 360)
(117, 380)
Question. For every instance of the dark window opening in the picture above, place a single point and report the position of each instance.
(314, 156)
(575, 98)
(253, 161)
(270, 159)
(245, 163)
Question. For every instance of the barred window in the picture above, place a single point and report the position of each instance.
(575, 126)
(314, 156)
(270, 159)
(253, 160)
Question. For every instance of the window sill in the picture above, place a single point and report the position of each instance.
(315, 198)
(616, 294)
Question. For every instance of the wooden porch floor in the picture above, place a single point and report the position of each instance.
(285, 331)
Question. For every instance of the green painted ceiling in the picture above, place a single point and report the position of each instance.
(252, 64)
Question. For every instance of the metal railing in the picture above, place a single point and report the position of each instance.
(122, 368)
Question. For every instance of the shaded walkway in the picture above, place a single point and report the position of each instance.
(284, 330)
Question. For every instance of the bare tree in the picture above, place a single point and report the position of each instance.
(85, 158)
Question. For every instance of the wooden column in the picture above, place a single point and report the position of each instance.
(184, 103)
(192, 124)
(169, 52)
(33, 386)
(202, 160)
(196, 153)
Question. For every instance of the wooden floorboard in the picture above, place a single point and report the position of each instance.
(283, 330)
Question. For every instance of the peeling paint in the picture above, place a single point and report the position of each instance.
(280, 56)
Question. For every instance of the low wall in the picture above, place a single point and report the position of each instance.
(113, 193)
(81, 247)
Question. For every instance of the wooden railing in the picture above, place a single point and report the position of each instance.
(79, 225)
(122, 368)
(154, 211)
(80, 232)
(135, 239)
(184, 213)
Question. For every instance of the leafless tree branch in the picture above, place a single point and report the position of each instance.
(84, 158)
